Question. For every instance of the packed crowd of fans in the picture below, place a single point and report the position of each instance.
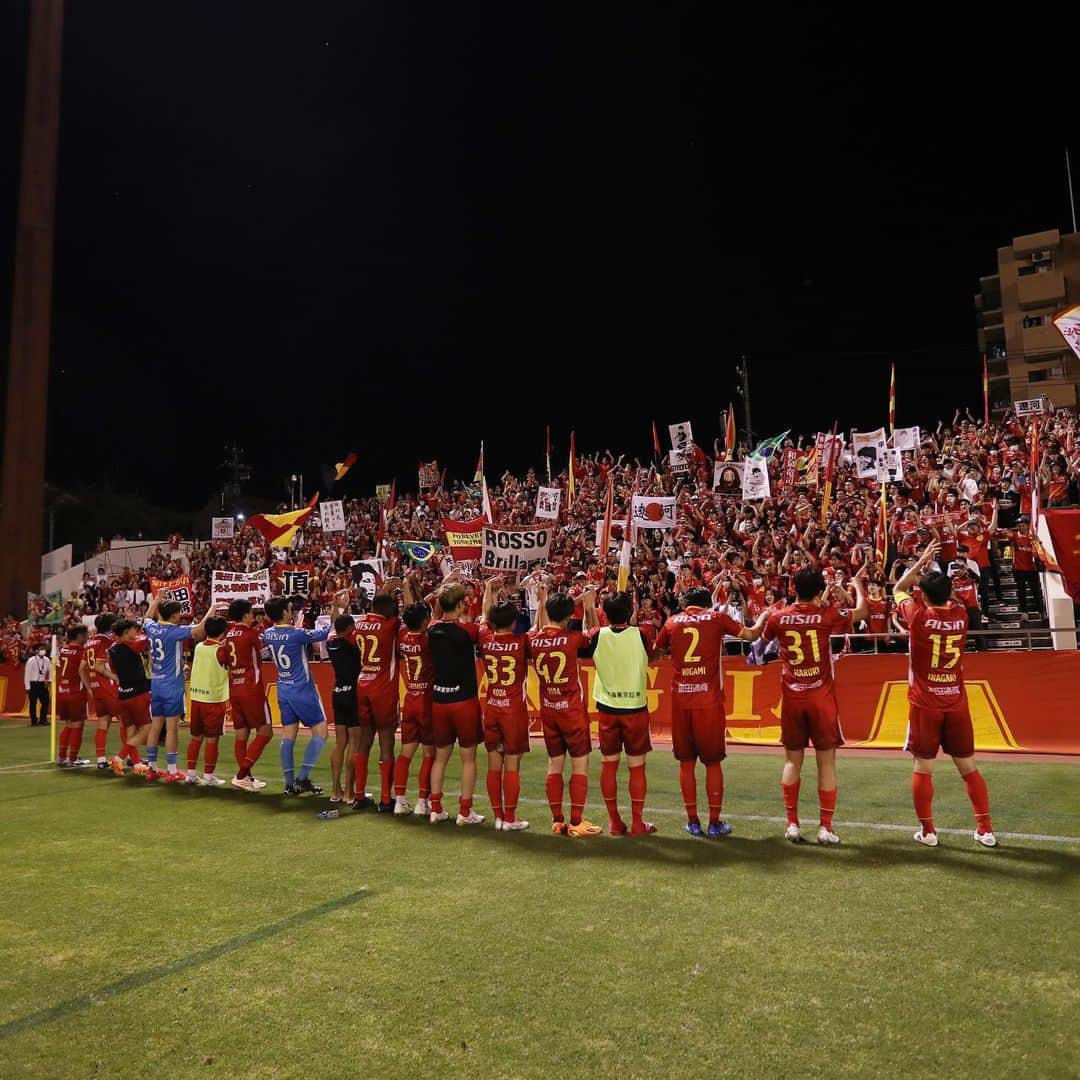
(968, 487)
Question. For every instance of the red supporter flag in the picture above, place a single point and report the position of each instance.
(881, 548)
(1064, 527)
(892, 398)
(342, 467)
(729, 432)
(986, 392)
(655, 441)
(605, 532)
(570, 483)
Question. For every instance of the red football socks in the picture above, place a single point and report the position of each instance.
(637, 795)
(922, 795)
(75, 742)
(386, 773)
(401, 775)
(240, 748)
(62, 752)
(791, 801)
(714, 789)
(131, 753)
(210, 758)
(980, 800)
(360, 767)
(511, 786)
(609, 788)
(827, 806)
(436, 802)
(554, 788)
(688, 783)
(101, 741)
(579, 795)
(464, 805)
(193, 753)
(425, 776)
(258, 745)
(495, 791)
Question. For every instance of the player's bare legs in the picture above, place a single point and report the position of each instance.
(342, 738)
(438, 775)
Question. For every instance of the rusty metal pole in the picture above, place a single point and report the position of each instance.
(23, 494)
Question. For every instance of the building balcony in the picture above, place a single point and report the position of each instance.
(1042, 339)
(1041, 290)
(1025, 245)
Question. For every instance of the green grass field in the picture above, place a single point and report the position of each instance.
(183, 931)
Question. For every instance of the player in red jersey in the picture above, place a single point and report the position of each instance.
(377, 692)
(455, 706)
(506, 715)
(416, 730)
(695, 640)
(250, 713)
(555, 650)
(809, 712)
(72, 693)
(938, 713)
(102, 689)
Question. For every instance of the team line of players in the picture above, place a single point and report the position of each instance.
(433, 647)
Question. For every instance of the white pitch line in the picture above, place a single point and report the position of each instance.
(25, 765)
(874, 825)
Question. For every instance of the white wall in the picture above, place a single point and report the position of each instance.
(122, 555)
(1059, 605)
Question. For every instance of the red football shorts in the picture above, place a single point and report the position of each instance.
(698, 733)
(457, 721)
(134, 712)
(71, 710)
(416, 720)
(249, 709)
(104, 704)
(506, 728)
(949, 729)
(810, 719)
(625, 732)
(566, 731)
(378, 709)
(208, 718)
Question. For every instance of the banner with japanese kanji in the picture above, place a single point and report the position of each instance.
(295, 578)
(333, 516)
(229, 585)
(178, 589)
(653, 511)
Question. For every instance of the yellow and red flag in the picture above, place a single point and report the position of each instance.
(627, 548)
(342, 467)
(729, 433)
(830, 467)
(278, 530)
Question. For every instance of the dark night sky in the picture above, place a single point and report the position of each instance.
(396, 228)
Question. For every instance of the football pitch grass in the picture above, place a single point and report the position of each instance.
(179, 931)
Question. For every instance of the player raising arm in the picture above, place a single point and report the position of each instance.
(695, 640)
(809, 712)
(938, 713)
